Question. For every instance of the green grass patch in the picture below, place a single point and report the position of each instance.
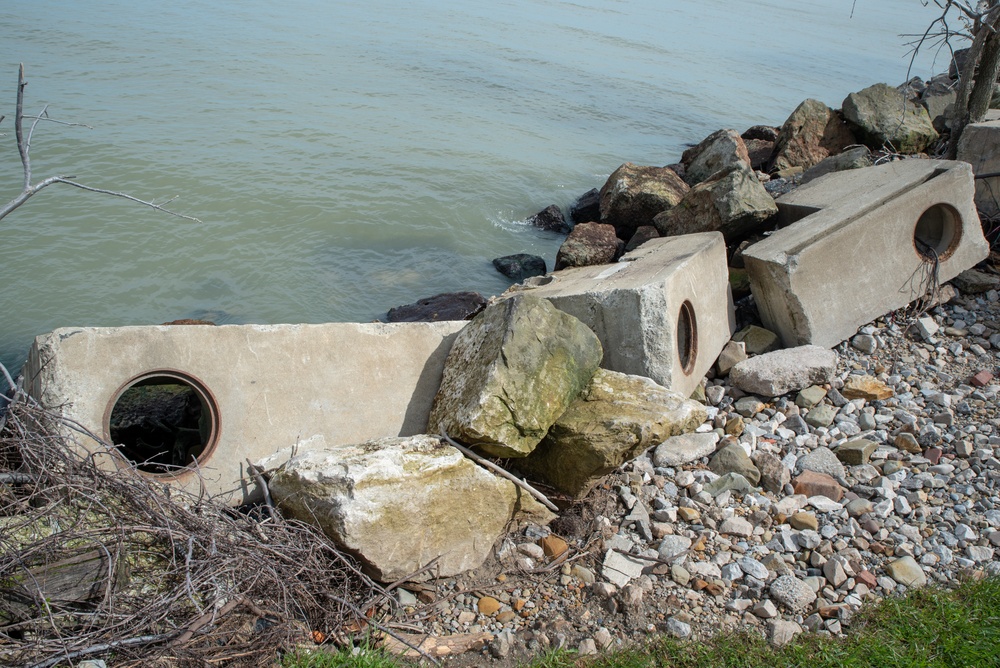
(929, 628)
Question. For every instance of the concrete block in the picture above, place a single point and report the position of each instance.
(861, 243)
(251, 390)
(980, 147)
(663, 311)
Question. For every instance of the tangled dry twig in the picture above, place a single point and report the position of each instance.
(101, 564)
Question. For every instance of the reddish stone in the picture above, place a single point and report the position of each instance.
(933, 455)
(811, 483)
(982, 379)
(867, 578)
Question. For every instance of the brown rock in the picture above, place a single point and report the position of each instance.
(487, 605)
(803, 520)
(634, 194)
(933, 455)
(868, 388)
(553, 546)
(812, 132)
(589, 244)
(982, 379)
(720, 150)
(688, 514)
(811, 483)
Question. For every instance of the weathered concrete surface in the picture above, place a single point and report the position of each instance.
(399, 503)
(859, 247)
(637, 307)
(275, 386)
(980, 146)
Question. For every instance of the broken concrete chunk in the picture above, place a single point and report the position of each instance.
(375, 498)
(856, 452)
(732, 353)
(781, 371)
(511, 372)
(615, 418)
(684, 449)
(913, 219)
(663, 311)
(980, 146)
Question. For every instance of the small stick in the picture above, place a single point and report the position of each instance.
(259, 479)
(668, 562)
(499, 471)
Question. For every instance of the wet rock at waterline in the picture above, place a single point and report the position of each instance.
(550, 218)
(511, 373)
(445, 306)
(589, 244)
(520, 266)
(616, 418)
(587, 208)
(398, 503)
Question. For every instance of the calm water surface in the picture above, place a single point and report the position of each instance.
(349, 157)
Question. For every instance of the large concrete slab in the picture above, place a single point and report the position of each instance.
(862, 243)
(663, 311)
(980, 147)
(266, 387)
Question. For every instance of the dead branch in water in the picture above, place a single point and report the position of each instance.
(24, 148)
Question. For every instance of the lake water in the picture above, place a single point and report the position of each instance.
(345, 158)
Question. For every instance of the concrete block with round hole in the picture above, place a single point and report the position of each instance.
(663, 311)
(174, 399)
(862, 243)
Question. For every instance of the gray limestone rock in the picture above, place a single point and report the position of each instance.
(821, 460)
(792, 593)
(374, 497)
(718, 151)
(773, 474)
(683, 449)
(883, 115)
(734, 459)
(782, 371)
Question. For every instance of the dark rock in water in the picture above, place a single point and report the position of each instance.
(445, 306)
(642, 234)
(761, 132)
(586, 209)
(550, 218)
(520, 266)
(589, 244)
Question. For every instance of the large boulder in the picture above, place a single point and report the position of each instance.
(445, 306)
(720, 150)
(633, 194)
(511, 372)
(398, 503)
(776, 373)
(732, 202)
(811, 133)
(616, 418)
(520, 266)
(589, 244)
(587, 207)
(883, 115)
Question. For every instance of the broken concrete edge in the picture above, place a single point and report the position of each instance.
(663, 311)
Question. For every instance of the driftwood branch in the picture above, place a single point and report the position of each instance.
(505, 474)
(29, 190)
(259, 479)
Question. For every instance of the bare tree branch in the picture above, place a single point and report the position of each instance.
(24, 148)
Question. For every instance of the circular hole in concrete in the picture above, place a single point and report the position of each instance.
(163, 422)
(937, 232)
(687, 337)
